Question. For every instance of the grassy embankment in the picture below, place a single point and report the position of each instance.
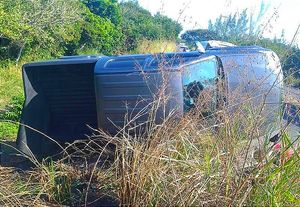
(11, 100)
(176, 163)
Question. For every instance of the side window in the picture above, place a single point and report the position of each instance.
(199, 85)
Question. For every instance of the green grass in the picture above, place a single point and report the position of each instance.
(8, 131)
(279, 181)
(10, 84)
(11, 100)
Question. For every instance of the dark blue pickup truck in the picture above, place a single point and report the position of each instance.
(67, 97)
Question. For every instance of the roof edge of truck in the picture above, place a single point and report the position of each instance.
(81, 59)
(63, 61)
(147, 62)
(237, 49)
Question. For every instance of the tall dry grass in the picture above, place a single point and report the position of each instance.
(224, 159)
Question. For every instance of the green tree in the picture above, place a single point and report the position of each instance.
(99, 34)
(38, 29)
(138, 23)
(169, 28)
(233, 27)
(109, 9)
(40, 25)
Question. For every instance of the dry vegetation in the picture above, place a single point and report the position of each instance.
(147, 46)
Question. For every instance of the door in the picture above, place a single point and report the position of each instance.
(202, 86)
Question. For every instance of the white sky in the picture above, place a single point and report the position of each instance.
(193, 14)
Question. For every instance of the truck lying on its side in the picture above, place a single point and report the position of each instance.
(68, 96)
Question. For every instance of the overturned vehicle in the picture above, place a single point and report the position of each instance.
(67, 97)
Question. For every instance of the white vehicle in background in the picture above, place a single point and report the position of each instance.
(183, 48)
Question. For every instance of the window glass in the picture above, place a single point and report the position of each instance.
(199, 83)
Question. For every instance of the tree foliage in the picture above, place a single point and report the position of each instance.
(138, 23)
(106, 9)
(235, 28)
(232, 26)
(32, 24)
(46, 28)
(100, 34)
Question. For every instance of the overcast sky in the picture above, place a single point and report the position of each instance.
(284, 14)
